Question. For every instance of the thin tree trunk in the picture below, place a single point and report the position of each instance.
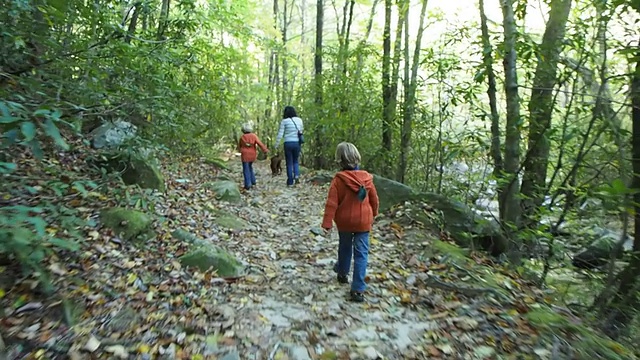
(541, 109)
(360, 57)
(164, 18)
(509, 203)
(402, 25)
(318, 77)
(410, 98)
(133, 23)
(487, 56)
(387, 110)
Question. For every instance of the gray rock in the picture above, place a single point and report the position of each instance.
(112, 134)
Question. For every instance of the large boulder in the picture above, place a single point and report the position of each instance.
(128, 224)
(204, 255)
(135, 169)
(112, 134)
(391, 192)
(225, 190)
(600, 251)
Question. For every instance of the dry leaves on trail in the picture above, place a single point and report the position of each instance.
(118, 300)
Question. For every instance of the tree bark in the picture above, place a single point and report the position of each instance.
(540, 111)
(318, 76)
(487, 57)
(509, 202)
(387, 110)
(410, 98)
(164, 18)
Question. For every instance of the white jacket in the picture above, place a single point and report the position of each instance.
(288, 129)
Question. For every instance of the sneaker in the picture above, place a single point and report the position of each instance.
(357, 296)
(296, 181)
(343, 279)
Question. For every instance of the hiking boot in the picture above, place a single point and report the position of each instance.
(357, 296)
(343, 279)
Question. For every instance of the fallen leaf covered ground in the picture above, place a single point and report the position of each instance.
(117, 300)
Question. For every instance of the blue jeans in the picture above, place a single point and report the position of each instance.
(358, 244)
(248, 174)
(291, 155)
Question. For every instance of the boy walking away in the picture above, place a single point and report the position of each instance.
(352, 203)
(249, 153)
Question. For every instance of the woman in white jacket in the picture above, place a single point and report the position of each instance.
(291, 128)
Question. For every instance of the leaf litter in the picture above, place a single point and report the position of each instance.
(116, 300)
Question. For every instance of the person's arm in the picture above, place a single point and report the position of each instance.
(240, 144)
(301, 125)
(373, 200)
(261, 145)
(330, 206)
(280, 133)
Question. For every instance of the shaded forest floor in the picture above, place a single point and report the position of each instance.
(426, 298)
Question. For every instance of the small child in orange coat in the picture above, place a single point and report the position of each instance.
(352, 203)
(249, 153)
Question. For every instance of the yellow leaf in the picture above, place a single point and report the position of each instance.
(149, 117)
(131, 278)
(2, 293)
(143, 348)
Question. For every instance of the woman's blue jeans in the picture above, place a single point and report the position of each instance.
(248, 174)
(291, 155)
(356, 243)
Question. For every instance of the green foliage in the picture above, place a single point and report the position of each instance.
(24, 235)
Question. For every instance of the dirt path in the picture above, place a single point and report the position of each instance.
(291, 303)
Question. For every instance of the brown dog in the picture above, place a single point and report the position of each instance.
(276, 164)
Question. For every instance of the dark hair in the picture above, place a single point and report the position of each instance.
(289, 112)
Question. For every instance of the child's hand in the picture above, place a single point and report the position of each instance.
(327, 231)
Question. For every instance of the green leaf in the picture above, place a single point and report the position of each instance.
(28, 130)
(36, 149)
(51, 129)
(64, 244)
(8, 119)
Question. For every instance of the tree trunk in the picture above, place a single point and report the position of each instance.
(318, 76)
(510, 186)
(387, 110)
(403, 23)
(540, 111)
(164, 18)
(487, 57)
(410, 97)
(133, 23)
(360, 57)
(619, 312)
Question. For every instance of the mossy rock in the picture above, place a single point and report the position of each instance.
(216, 163)
(225, 190)
(229, 221)
(135, 169)
(208, 256)
(391, 192)
(185, 236)
(128, 224)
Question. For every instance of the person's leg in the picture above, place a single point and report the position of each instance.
(253, 174)
(345, 248)
(288, 154)
(296, 166)
(246, 174)
(360, 259)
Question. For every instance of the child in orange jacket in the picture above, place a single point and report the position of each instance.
(249, 153)
(352, 203)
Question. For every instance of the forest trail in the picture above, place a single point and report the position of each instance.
(290, 305)
(117, 299)
(291, 301)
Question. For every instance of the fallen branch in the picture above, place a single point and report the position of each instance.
(464, 290)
